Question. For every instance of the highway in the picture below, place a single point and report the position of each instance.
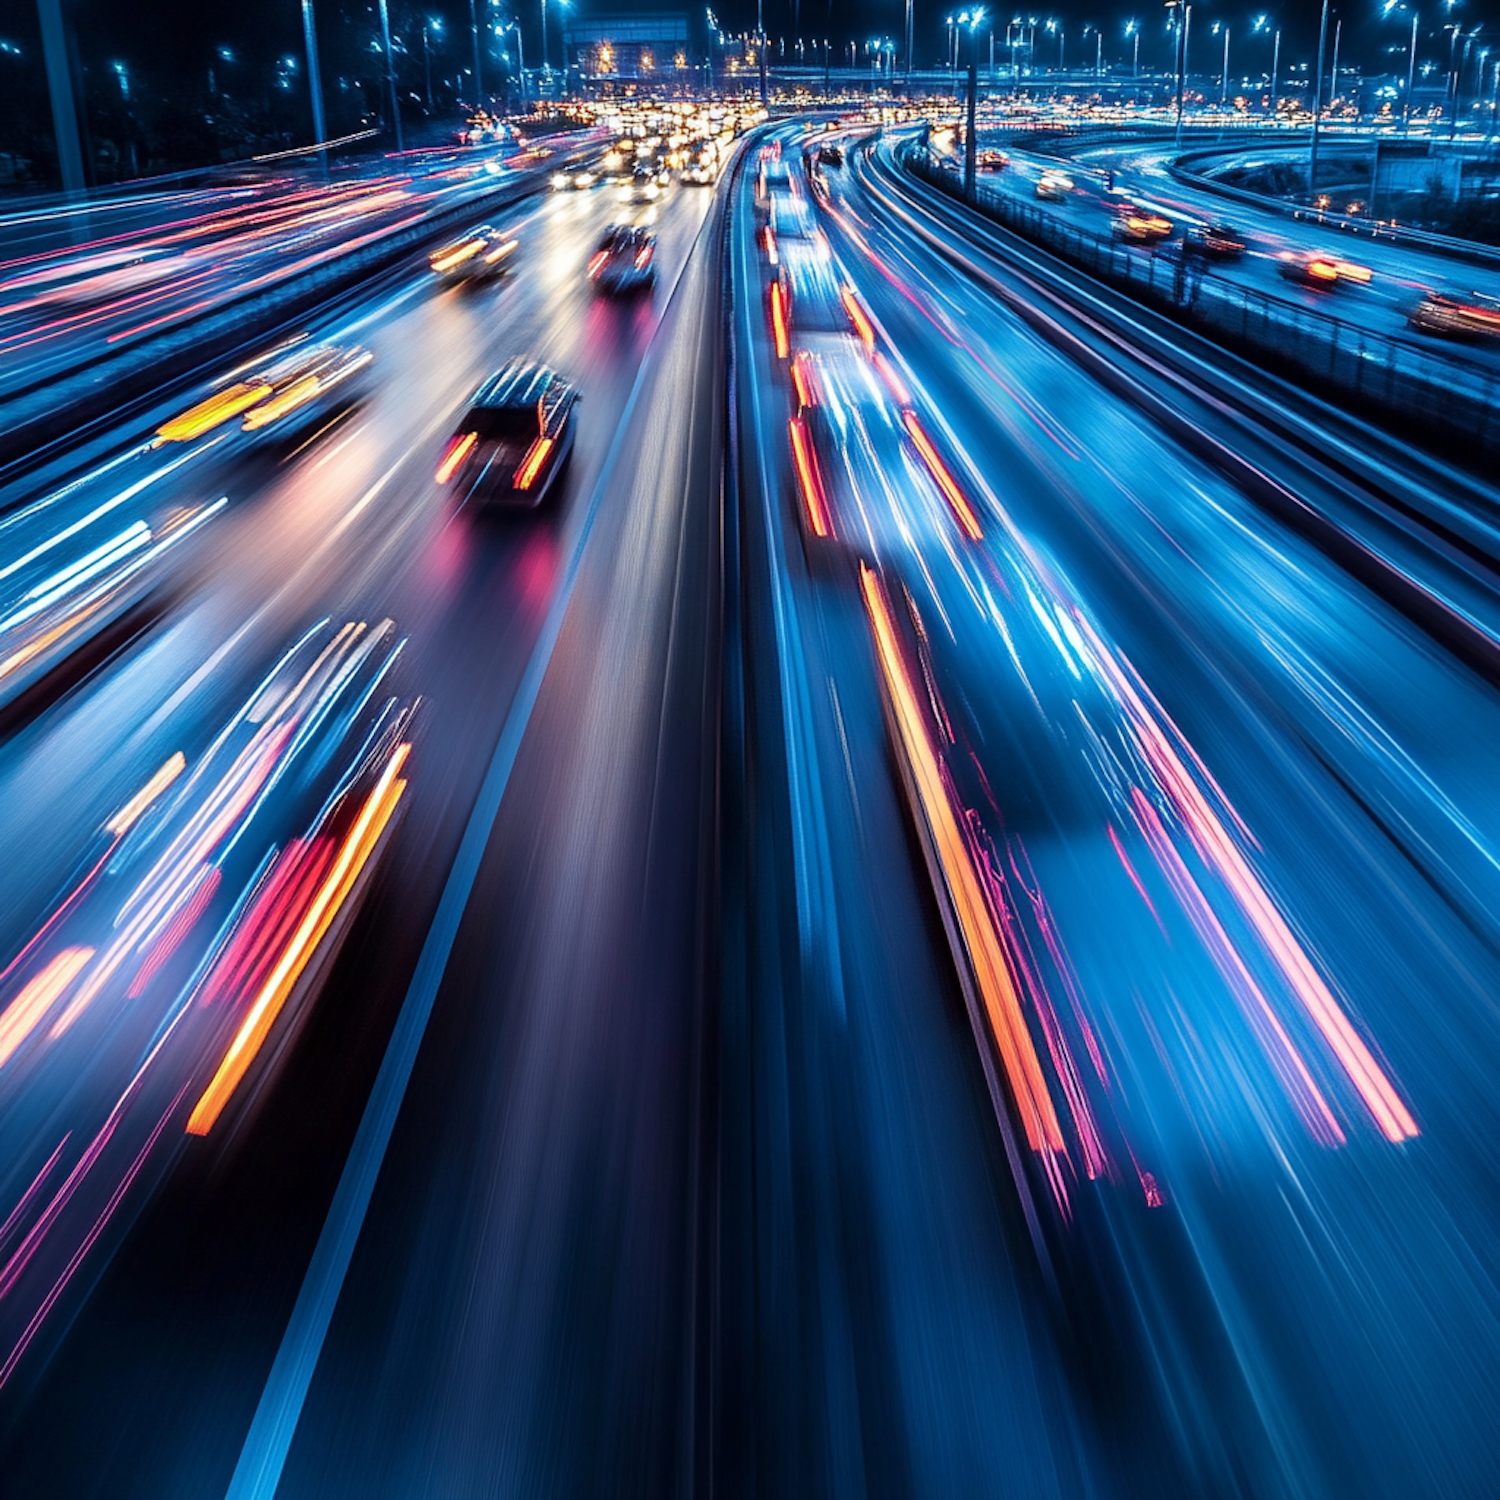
(1106, 176)
(925, 926)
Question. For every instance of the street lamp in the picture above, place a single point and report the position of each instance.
(1133, 31)
(390, 71)
(437, 26)
(972, 20)
(1387, 9)
(314, 77)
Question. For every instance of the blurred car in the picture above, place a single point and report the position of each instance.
(1214, 242)
(813, 307)
(624, 260)
(831, 154)
(1321, 272)
(481, 255)
(1453, 318)
(774, 175)
(700, 173)
(645, 185)
(991, 161)
(284, 393)
(1141, 226)
(1054, 187)
(515, 438)
(576, 181)
(792, 218)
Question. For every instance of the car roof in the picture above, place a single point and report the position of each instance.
(522, 382)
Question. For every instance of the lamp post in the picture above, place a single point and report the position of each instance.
(1133, 31)
(1184, 18)
(436, 25)
(971, 133)
(1312, 155)
(1333, 76)
(314, 80)
(1224, 77)
(390, 71)
(478, 80)
(1275, 71)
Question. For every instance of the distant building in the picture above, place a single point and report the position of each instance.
(651, 49)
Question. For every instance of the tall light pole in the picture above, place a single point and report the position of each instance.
(390, 71)
(1411, 76)
(55, 55)
(1333, 76)
(1133, 30)
(314, 79)
(908, 44)
(971, 134)
(515, 26)
(1312, 156)
(478, 80)
(1224, 76)
(1275, 71)
(436, 25)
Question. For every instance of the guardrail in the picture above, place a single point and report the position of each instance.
(1470, 251)
(1432, 396)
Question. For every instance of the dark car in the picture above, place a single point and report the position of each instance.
(831, 154)
(515, 439)
(624, 260)
(1214, 242)
(1477, 318)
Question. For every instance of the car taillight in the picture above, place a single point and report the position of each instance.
(597, 263)
(643, 258)
(814, 496)
(531, 465)
(778, 320)
(458, 450)
(945, 481)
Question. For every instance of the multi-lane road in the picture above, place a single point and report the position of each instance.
(926, 926)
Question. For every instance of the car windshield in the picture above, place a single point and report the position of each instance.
(504, 424)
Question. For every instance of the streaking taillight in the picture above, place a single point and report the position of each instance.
(857, 315)
(810, 478)
(945, 481)
(803, 382)
(778, 320)
(597, 263)
(531, 465)
(458, 450)
(643, 258)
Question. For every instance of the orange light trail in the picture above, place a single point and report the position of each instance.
(531, 465)
(814, 497)
(21, 1017)
(857, 315)
(128, 815)
(325, 905)
(778, 320)
(945, 481)
(1223, 854)
(458, 451)
(987, 957)
(802, 381)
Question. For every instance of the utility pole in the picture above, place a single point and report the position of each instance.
(390, 71)
(427, 67)
(314, 80)
(1224, 76)
(1312, 157)
(60, 88)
